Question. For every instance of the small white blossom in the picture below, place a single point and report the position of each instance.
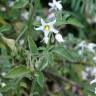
(59, 37)
(51, 17)
(3, 84)
(38, 19)
(55, 5)
(25, 14)
(93, 71)
(46, 28)
(91, 47)
(80, 52)
(95, 90)
(3, 74)
(21, 42)
(93, 81)
(84, 75)
(82, 45)
(91, 20)
(89, 71)
(10, 3)
(3, 8)
(94, 59)
(1, 94)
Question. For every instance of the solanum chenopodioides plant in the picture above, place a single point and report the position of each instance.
(27, 48)
(29, 62)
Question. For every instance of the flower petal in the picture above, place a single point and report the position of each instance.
(46, 33)
(93, 81)
(52, 23)
(59, 6)
(42, 22)
(53, 30)
(46, 39)
(59, 1)
(54, 1)
(51, 17)
(50, 4)
(39, 28)
(59, 37)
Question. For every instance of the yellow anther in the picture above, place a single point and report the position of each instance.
(46, 27)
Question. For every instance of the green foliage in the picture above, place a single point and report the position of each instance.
(29, 66)
(18, 72)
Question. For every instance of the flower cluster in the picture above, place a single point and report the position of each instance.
(89, 47)
(88, 72)
(48, 27)
(84, 45)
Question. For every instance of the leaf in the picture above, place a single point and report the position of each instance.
(20, 4)
(41, 63)
(74, 21)
(66, 54)
(67, 18)
(33, 46)
(18, 72)
(40, 79)
(5, 28)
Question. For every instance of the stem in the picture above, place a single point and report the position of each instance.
(58, 78)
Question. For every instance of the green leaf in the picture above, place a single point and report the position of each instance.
(33, 46)
(67, 18)
(74, 21)
(41, 63)
(40, 78)
(66, 54)
(5, 28)
(18, 72)
(20, 4)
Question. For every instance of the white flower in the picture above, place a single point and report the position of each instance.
(3, 74)
(55, 5)
(25, 15)
(84, 75)
(93, 71)
(91, 47)
(59, 37)
(21, 42)
(1, 94)
(38, 18)
(46, 28)
(95, 90)
(93, 81)
(94, 59)
(80, 52)
(88, 69)
(51, 17)
(10, 3)
(3, 84)
(3, 8)
(82, 45)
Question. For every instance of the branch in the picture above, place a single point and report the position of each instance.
(58, 78)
